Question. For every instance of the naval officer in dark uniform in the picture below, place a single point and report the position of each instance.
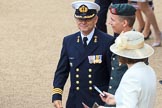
(86, 57)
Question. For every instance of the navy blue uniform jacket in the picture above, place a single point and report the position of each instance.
(75, 61)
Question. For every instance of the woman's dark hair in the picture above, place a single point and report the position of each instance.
(125, 60)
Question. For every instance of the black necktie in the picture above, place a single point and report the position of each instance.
(85, 41)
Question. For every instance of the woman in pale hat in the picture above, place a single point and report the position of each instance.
(137, 88)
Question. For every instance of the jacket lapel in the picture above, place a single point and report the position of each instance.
(79, 44)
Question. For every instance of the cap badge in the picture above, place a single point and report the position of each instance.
(113, 10)
(83, 9)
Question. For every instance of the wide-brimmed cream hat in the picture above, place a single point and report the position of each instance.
(131, 45)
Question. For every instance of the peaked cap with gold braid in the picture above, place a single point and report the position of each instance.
(85, 9)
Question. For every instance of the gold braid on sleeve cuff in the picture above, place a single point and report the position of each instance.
(57, 91)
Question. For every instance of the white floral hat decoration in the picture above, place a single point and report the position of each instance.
(131, 45)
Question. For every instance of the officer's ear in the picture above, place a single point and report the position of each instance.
(96, 19)
(125, 23)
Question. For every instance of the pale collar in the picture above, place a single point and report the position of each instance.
(89, 36)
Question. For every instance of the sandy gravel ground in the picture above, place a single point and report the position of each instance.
(31, 33)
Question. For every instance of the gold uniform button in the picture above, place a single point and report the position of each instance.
(111, 78)
(77, 82)
(90, 88)
(77, 69)
(89, 76)
(120, 64)
(77, 76)
(77, 88)
(110, 87)
(90, 82)
(90, 70)
(112, 68)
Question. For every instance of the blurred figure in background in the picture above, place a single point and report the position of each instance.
(143, 26)
(148, 12)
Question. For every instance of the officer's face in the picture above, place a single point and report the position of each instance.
(87, 25)
(116, 23)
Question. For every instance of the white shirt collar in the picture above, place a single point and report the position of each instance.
(89, 36)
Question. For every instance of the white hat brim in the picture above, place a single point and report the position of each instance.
(141, 53)
(89, 4)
